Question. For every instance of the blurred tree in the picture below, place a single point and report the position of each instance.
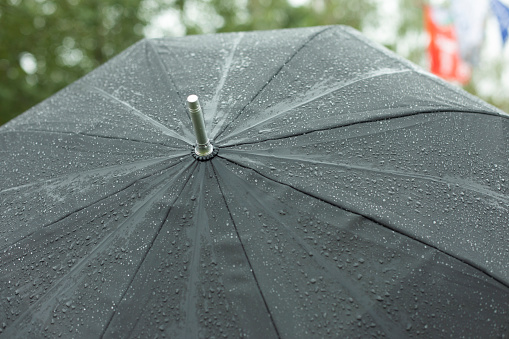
(47, 44)
(237, 15)
(411, 41)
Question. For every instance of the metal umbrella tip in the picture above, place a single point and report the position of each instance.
(204, 149)
(192, 101)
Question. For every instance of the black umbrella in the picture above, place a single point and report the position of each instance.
(344, 192)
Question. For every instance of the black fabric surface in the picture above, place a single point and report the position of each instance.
(353, 195)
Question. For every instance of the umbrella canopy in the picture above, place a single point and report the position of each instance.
(345, 192)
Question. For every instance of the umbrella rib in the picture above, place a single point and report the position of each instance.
(370, 120)
(90, 135)
(245, 254)
(200, 229)
(166, 72)
(274, 76)
(478, 189)
(370, 306)
(455, 89)
(148, 162)
(91, 204)
(126, 139)
(226, 70)
(149, 247)
(169, 78)
(330, 90)
(466, 261)
(82, 261)
(136, 112)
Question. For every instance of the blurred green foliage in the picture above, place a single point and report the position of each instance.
(47, 44)
(57, 42)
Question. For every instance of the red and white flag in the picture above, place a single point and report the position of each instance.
(443, 49)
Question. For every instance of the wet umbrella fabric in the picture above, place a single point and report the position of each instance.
(352, 195)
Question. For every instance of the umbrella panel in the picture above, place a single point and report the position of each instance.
(400, 173)
(330, 273)
(348, 273)
(326, 212)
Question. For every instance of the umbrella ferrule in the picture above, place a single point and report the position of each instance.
(203, 149)
(203, 145)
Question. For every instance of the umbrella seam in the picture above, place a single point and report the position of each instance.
(226, 71)
(374, 119)
(245, 254)
(481, 190)
(88, 135)
(496, 111)
(286, 111)
(197, 231)
(169, 76)
(311, 38)
(391, 328)
(170, 133)
(419, 71)
(93, 171)
(127, 139)
(165, 69)
(122, 189)
(133, 276)
(20, 318)
(373, 219)
(89, 205)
